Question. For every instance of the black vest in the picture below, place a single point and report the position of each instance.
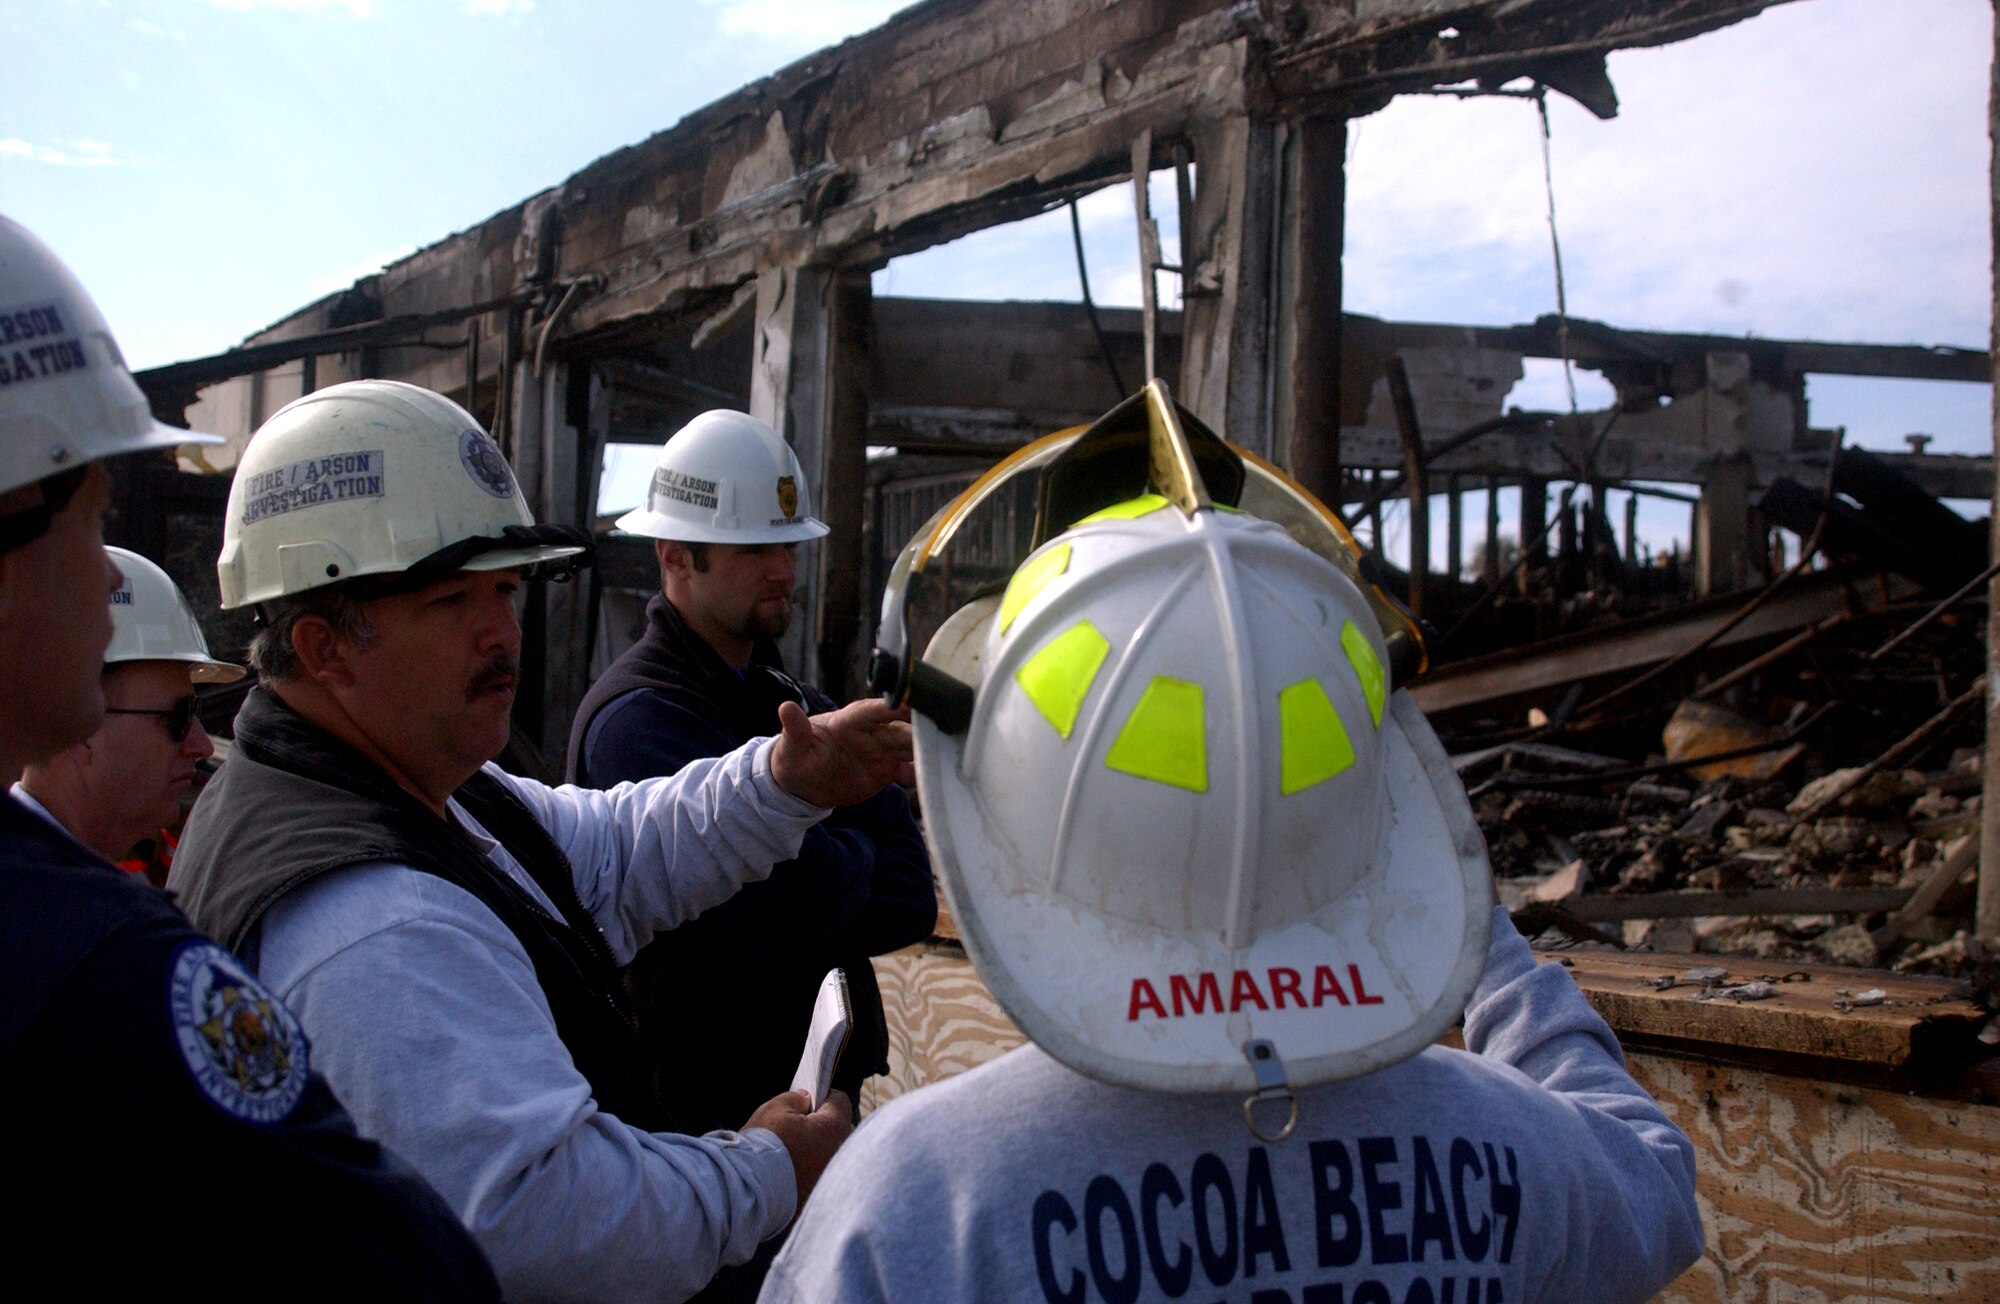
(294, 803)
(672, 657)
(772, 993)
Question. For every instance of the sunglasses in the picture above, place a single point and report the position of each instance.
(179, 717)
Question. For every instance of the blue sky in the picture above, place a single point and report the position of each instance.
(1820, 171)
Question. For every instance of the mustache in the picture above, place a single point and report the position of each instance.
(503, 671)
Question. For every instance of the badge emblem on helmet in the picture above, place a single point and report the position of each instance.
(484, 464)
(788, 496)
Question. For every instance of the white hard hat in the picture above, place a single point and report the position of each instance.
(66, 397)
(151, 621)
(1193, 838)
(725, 477)
(374, 478)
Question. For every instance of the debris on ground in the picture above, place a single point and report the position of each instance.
(1837, 822)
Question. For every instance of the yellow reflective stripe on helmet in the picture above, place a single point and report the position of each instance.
(1057, 678)
(1164, 738)
(1368, 667)
(1033, 576)
(1312, 742)
(1130, 509)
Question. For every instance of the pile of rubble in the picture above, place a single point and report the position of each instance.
(1832, 833)
(1737, 841)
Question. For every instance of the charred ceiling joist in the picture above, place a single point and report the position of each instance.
(750, 227)
(960, 114)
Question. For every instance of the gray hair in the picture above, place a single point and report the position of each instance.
(271, 653)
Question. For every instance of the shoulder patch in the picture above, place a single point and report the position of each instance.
(245, 1050)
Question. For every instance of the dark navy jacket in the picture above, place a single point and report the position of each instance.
(724, 1001)
(164, 1132)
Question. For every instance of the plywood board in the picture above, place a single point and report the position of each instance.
(1836, 1195)
(1809, 1190)
(942, 1021)
(1810, 1012)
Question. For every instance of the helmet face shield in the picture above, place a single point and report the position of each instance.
(1147, 444)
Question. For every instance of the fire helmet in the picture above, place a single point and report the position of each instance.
(66, 396)
(1194, 837)
(379, 482)
(726, 477)
(152, 621)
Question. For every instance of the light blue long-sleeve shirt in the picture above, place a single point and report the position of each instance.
(426, 1016)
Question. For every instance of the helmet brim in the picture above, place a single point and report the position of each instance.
(644, 523)
(201, 669)
(214, 672)
(152, 437)
(162, 435)
(1414, 927)
(521, 558)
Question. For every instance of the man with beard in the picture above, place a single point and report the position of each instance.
(164, 1129)
(724, 512)
(127, 781)
(449, 934)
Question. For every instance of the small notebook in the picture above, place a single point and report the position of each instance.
(832, 1017)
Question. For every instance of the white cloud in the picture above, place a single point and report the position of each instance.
(496, 7)
(350, 8)
(73, 153)
(801, 26)
(1765, 179)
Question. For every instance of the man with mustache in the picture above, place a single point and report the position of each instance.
(165, 1131)
(127, 781)
(724, 511)
(450, 935)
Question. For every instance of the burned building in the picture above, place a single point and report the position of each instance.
(728, 261)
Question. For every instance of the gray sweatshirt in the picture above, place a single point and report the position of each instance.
(1528, 1167)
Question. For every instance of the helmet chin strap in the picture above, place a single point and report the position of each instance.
(21, 528)
(1272, 1089)
(452, 558)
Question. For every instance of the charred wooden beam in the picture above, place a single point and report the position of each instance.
(1541, 672)
(961, 114)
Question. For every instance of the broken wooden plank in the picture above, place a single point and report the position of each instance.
(1961, 857)
(1643, 995)
(1764, 901)
(1543, 671)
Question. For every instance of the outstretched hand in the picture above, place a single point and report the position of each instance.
(844, 756)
